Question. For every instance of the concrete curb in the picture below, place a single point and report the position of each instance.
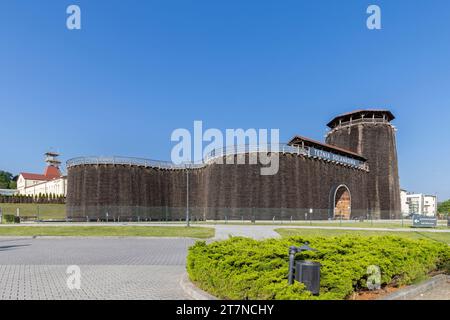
(193, 291)
(413, 291)
(96, 237)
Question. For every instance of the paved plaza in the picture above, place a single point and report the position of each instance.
(117, 268)
(441, 292)
(127, 268)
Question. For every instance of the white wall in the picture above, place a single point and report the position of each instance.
(404, 202)
(429, 205)
(56, 187)
(418, 203)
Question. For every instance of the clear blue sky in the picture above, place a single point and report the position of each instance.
(140, 69)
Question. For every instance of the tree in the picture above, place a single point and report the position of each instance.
(444, 207)
(5, 179)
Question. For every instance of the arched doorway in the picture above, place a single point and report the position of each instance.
(342, 203)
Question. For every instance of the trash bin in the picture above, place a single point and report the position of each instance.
(308, 273)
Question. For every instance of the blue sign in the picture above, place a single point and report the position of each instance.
(334, 157)
(420, 221)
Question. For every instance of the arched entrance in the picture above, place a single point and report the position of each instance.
(342, 203)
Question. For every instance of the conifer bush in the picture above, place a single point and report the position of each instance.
(242, 268)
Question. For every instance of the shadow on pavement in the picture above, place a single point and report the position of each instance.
(12, 247)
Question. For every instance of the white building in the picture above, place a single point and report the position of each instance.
(404, 202)
(51, 182)
(418, 203)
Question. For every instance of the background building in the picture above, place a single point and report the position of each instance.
(51, 182)
(418, 203)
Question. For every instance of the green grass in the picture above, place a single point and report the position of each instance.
(101, 231)
(407, 223)
(58, 212)
(436, 236)
(45, 211)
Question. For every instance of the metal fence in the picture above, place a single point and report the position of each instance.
(140, 213)
(205, 215)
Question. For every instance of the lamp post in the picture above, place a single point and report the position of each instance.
(187, 197)
(292, 251)
(307, 272)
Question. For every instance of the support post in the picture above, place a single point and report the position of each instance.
(292, 252)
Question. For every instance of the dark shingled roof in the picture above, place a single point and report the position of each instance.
(327, 147)
(358, 113)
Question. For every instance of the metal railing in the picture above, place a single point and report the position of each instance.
(209, 158)
(247, 149)
(203, 213)
(118, 160)
(360, 120)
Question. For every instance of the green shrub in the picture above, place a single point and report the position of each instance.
(10, 218)
(242, 268)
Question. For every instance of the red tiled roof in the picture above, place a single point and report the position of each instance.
(50, 173)
(35, 176)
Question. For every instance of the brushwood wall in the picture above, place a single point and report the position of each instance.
(216, 191)
(376, 142)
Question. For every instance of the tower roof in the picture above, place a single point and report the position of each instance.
(52, 154)
(324, 146)
(362, 113)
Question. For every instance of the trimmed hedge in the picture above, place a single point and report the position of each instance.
(40, 198)
(242, 268)
(10, 218)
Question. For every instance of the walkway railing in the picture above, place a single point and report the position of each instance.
(209, 158)
(360, 121)
(117, 160)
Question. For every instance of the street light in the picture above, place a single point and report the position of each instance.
(187, 197)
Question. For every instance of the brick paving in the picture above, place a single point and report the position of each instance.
(127, 268)
(441, 292)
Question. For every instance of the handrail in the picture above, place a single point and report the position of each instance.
(360, 120)
(209, 158)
